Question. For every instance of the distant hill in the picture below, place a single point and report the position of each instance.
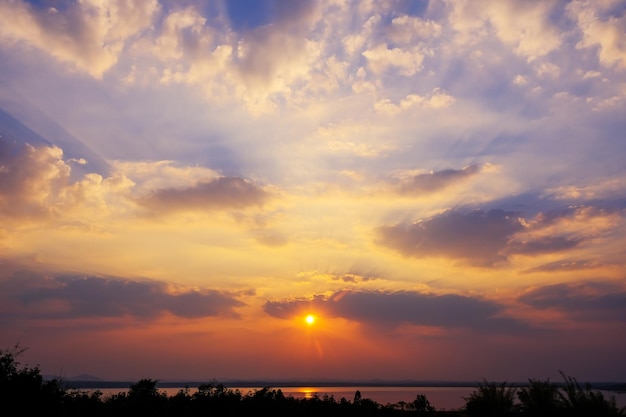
(77, 378)
(84, 377)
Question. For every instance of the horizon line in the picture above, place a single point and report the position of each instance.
(302, 383)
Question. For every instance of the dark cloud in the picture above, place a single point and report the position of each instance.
(478, 237)
(437, 180)
(546, 244)
(555, 223)
(38, 295)
(221, 193)
(550, 205)
(396, 308)
(583, 301)
(487, 238)
(354, 277)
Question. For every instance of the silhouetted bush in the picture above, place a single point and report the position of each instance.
(540, 399)
(491, 400)
(583, 402)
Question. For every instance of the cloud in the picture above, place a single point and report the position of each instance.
(219, 193)
(256, 66)
(488, 238)
(544, 244)
(89, 34)
(564, 265)
(41, 295)
(183, 34)
(526, 27)
(436, 180)
(402, 307)
(22, 122)
(30, 178)
(595, 301)
(355, 277)
(36, 184)
(478, 237)
(380, 59)
(351, 138)
(408, 29)
(191, 50)
(562, 229)
(155, 175)
(599, 190)
(438, 99)
(601, 27)
(273, 62)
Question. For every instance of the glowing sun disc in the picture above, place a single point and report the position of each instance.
(309, 319)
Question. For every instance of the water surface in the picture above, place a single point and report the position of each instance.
(442, 398)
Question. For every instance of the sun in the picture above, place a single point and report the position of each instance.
(309, 319)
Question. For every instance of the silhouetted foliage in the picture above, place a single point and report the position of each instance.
(540, 399)
(491, 400)
(583, 402)
(422, 406)
(142, 399)
(22, 388)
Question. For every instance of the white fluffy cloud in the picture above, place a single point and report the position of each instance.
(90, 34)
(381, 58)
(608, 34)
(436, 100)
(523, 26)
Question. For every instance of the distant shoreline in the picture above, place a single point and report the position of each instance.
(91, 384)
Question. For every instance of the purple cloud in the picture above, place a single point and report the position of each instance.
(76, 296)
(395, 308)
(487, 238)
(477, 237)
(436, 180)
(583, 301)
(220, 193)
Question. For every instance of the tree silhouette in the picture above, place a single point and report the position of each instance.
(23, 388)
(144, 389)
(422, 406)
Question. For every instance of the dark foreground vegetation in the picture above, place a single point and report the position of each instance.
(23, 391)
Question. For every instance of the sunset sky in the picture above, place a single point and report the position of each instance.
(441, 184)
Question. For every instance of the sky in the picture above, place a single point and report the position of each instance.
(441, 183)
